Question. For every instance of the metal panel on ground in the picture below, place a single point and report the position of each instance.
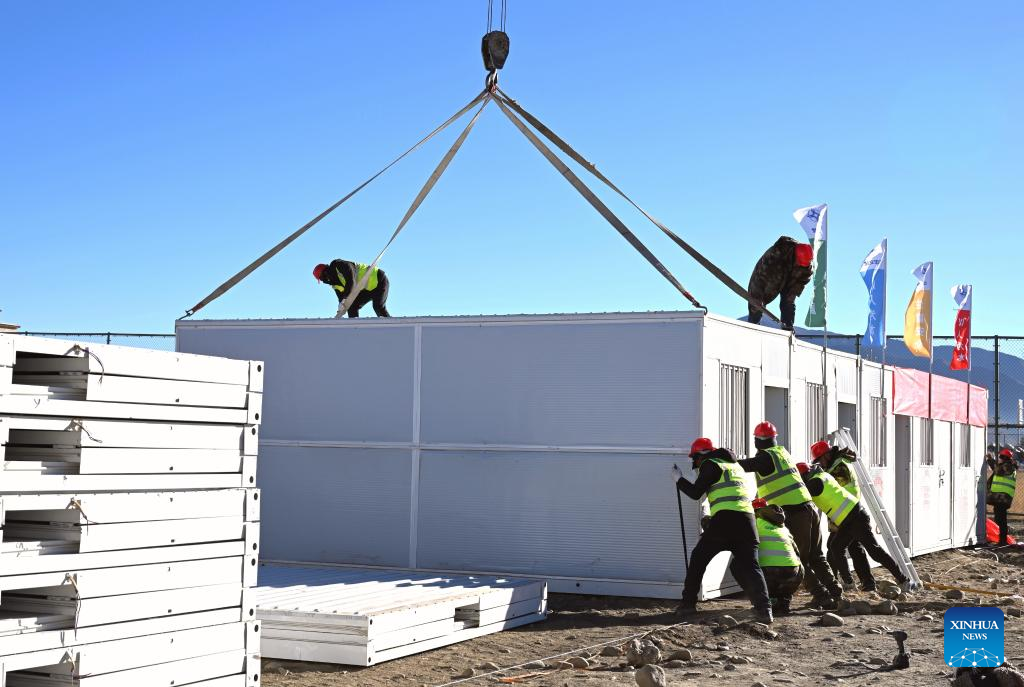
(335, 505)
(364, 617)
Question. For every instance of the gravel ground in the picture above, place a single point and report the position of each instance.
(798, 650)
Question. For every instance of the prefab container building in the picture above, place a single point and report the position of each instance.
(541, 445)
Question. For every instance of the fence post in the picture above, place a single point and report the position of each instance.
(108, 337)
(996, 387)
(856, 344)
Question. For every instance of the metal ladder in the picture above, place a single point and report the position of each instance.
(869, 497)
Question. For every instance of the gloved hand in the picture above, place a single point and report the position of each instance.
(677, 474)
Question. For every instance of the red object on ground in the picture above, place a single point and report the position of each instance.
(992, 533)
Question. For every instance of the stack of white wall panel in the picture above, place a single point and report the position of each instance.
(129, 518)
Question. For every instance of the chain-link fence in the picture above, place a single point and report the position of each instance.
(163, 342)
(997, 363)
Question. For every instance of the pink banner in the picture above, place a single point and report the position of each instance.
(949, 398)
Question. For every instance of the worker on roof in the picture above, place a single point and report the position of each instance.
(730, 528)
(1002, 486)
(838, 462)
(778, 483)
(782, 272)
(777, 555)
(343, 276)
(845, 512)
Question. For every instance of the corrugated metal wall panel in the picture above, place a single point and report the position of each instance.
(553, 513)
(335, 505)
(324, 383)
(581, 385)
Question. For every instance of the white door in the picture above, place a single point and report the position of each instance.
(933, 487)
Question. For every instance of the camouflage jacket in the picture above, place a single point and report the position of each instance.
(777, 274)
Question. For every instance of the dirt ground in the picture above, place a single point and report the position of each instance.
(801, 652)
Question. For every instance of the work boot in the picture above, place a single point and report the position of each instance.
(781, 608)
(869, 586)
(825, 603)
(686, 610)
(764, 615)
(849, 586)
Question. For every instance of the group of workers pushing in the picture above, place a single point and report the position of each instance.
(775, 538)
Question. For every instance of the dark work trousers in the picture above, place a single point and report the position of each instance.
(999, 516)
(782, 585)
(860, 563)
(804, 523)
(857, 527)
(787, 307)
(378, 296)
(736, 533)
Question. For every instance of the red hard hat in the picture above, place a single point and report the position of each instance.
(820, 448)
(702, 445)
(1006, 453)
(318, 270)
(759, 503)
(804, 254)
(765, 430)
(802, 468)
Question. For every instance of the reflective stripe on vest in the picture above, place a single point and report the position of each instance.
(834, 501)
(360, 270)
(777, 548)
(783, 487)
(730, 492)
(1004, 484)
(852, 486)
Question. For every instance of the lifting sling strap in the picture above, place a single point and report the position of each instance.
(258, 262)
(427, 187)
(503, 98)
(596, 202)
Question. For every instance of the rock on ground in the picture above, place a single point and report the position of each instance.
(651, 676)
(680, 655)
(831, 620)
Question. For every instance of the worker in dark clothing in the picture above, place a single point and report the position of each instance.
(782, 272)
(851, 520)
(778, 556)
(730, 528)
(779, 484)
(343, 276)
(1002, 485)
(839, 463)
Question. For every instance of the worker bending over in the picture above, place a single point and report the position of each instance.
(730, 528)
(1002, 485)
(777, 555)
(851, 520)
(782, 272)
(839, 463)
(343, 276)
(779, 484)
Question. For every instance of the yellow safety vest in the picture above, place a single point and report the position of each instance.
(852, 486)
(1005, 484)
(730, 492)
(834, 501)
(777, 549)
(371, 283)
(783, 487)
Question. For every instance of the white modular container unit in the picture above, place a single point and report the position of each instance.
(535, 445)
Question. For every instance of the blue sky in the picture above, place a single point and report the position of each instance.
(152, 149)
